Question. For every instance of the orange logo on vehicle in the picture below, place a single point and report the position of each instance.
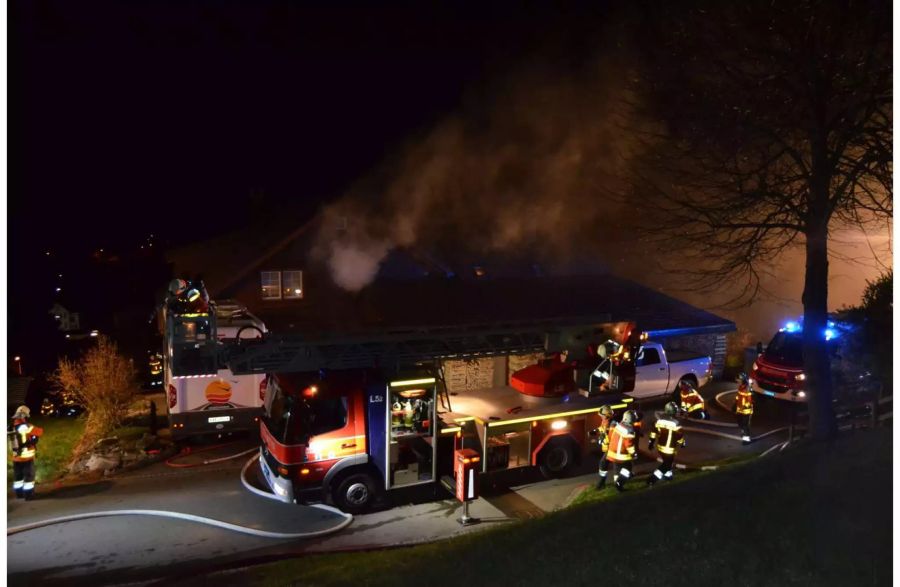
(218, 392)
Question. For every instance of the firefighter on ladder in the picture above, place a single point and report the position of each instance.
(668, 438)
(743, 407)
(622, 449)
(606, 423)
(691, 401)
(23, 437)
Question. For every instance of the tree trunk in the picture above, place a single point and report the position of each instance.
(817, 365)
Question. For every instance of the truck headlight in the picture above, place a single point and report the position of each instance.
(800, 377)
(801, 394)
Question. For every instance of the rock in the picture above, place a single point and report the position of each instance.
(98, 462)
(144, 442)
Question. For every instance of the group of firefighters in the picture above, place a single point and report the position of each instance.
(619, 439)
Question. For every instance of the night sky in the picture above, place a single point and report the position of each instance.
(123, 108)
(187, 119)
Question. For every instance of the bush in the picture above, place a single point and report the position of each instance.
(103, 382)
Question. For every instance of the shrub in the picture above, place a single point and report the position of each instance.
(103, 382)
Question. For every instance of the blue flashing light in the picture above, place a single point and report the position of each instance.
(830, 332)
(791, 327)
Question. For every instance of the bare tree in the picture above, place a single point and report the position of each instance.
(776, 130)
(103, 382)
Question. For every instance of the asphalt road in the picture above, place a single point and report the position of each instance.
(141, 550)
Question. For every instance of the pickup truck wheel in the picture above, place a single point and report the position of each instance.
(675, 396)
(354, 493)
(556, 458)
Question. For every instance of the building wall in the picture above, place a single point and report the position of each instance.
(713, 345)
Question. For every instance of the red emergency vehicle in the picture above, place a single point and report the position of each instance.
(343, 424)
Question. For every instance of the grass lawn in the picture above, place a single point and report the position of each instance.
(816, 515)
(54, 450)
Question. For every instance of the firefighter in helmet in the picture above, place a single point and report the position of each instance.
(743, 406)
(187, 296)
(668, 438)
(691, 402)
(602, 432)
(622, 449)
(23, 437)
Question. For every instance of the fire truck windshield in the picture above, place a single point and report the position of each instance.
(292, 419)
(786, 346)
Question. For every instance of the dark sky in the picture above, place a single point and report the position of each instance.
(122, 109)
(186, 119)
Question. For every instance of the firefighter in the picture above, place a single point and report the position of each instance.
(743, 407)
(691, 401)
(23, 438)
(606, 422)
(668, 438)
(622, 450)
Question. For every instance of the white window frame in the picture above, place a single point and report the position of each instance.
(263, 284)
(288, 292)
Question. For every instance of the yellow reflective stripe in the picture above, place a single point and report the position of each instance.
(667, 450)
(619, 455)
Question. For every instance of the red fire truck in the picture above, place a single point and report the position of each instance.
(347, 419)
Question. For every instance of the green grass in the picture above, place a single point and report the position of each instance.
(816, 515)
(54, 450)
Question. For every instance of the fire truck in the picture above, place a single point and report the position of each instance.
(214, 401)
(350, 418)
(778, 371)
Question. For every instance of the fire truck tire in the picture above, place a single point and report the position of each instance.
(354, 493)
(556, 457)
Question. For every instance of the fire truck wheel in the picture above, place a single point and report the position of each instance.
(354, 493)
(556, 458)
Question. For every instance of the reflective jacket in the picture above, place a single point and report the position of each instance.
(691, 401)
(667, 435)
(622, 445)
(26, 437)
(603, 432)
(743, 404)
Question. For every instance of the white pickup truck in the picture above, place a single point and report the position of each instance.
(658, 372)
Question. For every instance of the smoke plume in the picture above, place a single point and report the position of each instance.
(526, 165)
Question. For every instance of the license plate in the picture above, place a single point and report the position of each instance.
(214, 419)
(265, 469)
(769, 393)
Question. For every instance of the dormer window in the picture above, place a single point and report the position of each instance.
(281, 285)
(292, 284)
(271, 285)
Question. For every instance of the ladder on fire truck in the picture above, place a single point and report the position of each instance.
(196, 351)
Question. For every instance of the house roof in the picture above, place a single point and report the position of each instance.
(417, 288)
(444, 302)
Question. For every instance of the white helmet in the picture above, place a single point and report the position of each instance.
(22, 412)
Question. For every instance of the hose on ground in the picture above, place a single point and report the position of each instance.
(732, 436)
(170, 462)
(198, 519)
(179, 516)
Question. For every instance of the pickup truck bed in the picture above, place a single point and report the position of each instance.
(678, 356)
(491, 405)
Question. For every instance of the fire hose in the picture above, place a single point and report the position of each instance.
(170, 462)
(182, 516)
(782, 445)
(199, 519)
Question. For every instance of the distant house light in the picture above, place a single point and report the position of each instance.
(93, 333)
(479, 271)
(58, 289)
